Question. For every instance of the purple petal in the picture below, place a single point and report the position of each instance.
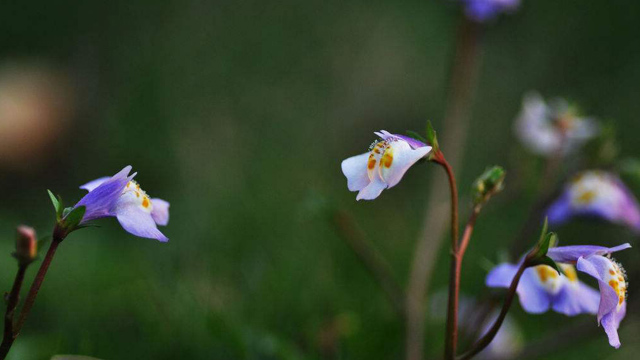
(576, 298)
(571, 254)
(611, 323)
(415, 144)
(99, 203)
(501, 275)
(160, 213)
(91, 185)
(560, 210)
(533, 298)
(139, 222)
(598, 267)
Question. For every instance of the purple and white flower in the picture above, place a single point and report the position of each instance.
(542, 287)
(121, 197)
(547, 128)
(611, 278)
(484, 10)
(384, 165)
(596, 194)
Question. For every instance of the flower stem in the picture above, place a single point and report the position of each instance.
(12, 303)
(31, 297)
(454, 275)
(488, 337)
(462, 85)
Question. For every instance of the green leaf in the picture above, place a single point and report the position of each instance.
(73, 218)
(57, 204)
(432, 137)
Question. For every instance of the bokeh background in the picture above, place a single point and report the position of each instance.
(239, 113)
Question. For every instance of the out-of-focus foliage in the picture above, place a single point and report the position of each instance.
(237, 112)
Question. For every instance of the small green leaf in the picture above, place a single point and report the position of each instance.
(73, 218)
(432, 137)
(57, 204)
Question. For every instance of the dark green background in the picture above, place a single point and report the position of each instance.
(239, 113)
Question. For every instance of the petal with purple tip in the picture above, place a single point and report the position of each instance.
(570, 254)
(100, 202)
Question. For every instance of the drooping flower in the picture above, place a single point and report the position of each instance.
(548, 128)
(611, 280)
(596, 194)
(121, 197)
(384, 165)
(484, 10)
(541, 288)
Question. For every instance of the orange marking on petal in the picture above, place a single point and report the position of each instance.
(586, 197)
(621, 300)
(371, 164)
(612, 272)
(146, 202)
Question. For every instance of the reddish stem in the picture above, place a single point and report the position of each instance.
(31, 298)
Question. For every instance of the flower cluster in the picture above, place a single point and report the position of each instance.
(541, 287)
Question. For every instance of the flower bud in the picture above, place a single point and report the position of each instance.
(488, 184)
(26, 245)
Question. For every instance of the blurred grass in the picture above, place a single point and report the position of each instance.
(238, 112)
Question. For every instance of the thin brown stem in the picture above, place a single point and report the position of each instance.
(454, 275)
(373, 261)
(31, 297)
(12, 303)
(488, 337)
(462, 85)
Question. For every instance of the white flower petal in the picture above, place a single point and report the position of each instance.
(397, 159)
(355, 169)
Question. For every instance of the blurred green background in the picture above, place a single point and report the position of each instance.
(239, 113)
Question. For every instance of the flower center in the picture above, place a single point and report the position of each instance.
(135, 193)
(380, 156)
(616, 279)
(548, 277)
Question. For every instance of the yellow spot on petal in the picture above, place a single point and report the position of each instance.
(371, 164)
(546, 273)
(612, 272)
(570, 272)
(146, 202)
(621, 300)
(586, 197)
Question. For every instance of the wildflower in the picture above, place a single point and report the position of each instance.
(546, 129)
(121, 197)
(484, 10)
(541, 288)
(597, 194)
(611, 280)
(384, 165)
